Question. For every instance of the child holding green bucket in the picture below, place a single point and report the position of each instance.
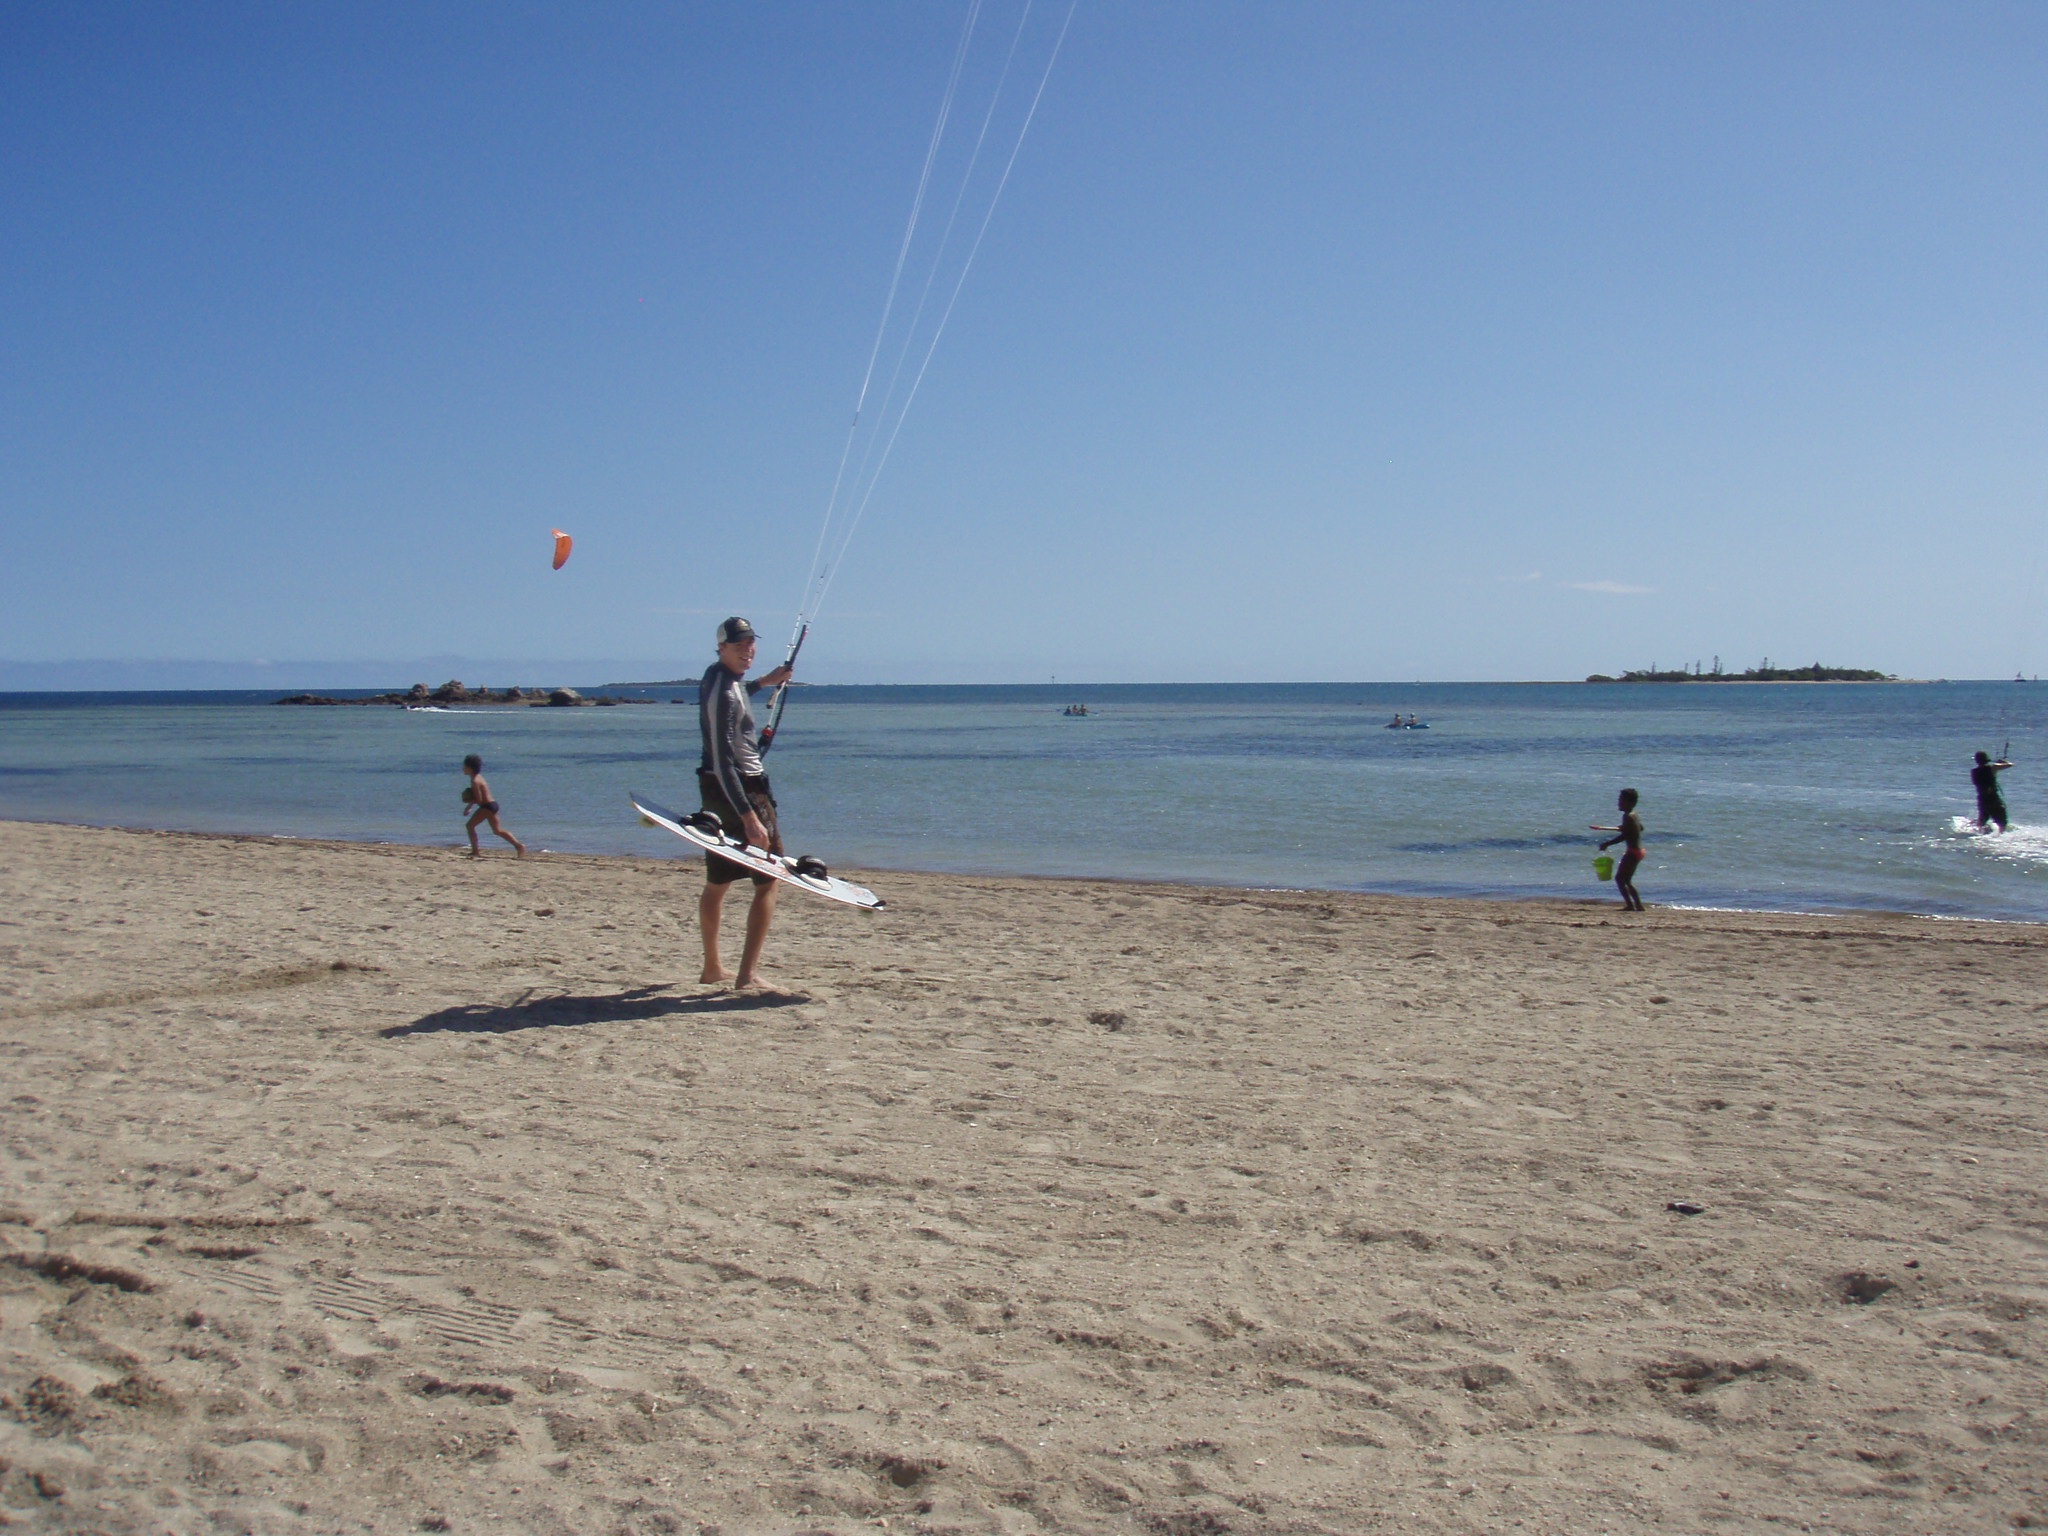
(1629, 833)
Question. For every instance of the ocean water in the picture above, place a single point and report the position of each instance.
(1772, 797)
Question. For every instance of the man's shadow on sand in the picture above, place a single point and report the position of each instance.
(556, 1011)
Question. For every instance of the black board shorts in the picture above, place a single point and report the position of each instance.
(761, 799)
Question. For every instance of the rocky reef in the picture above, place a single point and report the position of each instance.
(455, 693)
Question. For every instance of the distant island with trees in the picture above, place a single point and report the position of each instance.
(1765, 673)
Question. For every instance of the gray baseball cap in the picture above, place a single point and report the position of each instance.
(735, 631)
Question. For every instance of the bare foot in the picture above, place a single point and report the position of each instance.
(761, 985)
(713, 975)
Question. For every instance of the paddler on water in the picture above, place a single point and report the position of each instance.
(1990, 801)
(734, 788)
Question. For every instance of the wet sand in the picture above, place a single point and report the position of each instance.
(371, 1188)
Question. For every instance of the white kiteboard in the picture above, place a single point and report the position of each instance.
(703, 829)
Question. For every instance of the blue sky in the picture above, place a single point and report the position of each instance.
(1309, 340)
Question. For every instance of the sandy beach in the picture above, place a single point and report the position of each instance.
(372, 1188)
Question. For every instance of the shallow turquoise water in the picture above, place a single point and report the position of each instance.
(1765, 797)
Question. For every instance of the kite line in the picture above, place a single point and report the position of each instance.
(848, 501)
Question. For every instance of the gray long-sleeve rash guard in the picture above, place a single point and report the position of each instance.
(726, 721)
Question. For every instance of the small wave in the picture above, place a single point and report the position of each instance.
(2020, 843)
(1496, 844)
(1697, 906)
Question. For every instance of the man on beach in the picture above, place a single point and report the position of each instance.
(734, 788)
(1990, 802)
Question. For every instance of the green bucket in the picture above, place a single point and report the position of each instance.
(1603, 866)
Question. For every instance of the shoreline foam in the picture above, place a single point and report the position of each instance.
(890, 871)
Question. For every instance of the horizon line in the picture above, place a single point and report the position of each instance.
(1298, 682)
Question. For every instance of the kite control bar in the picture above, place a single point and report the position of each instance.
(781, 700)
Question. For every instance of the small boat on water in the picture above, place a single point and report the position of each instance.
(1410, 724)
(1075, 710)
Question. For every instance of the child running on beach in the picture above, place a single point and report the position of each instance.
(479, 795)
(1630, 833)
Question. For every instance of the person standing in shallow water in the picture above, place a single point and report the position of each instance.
(1630, 834)
(486, 809)
(1990, 801)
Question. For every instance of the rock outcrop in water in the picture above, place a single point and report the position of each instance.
(454, 693)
